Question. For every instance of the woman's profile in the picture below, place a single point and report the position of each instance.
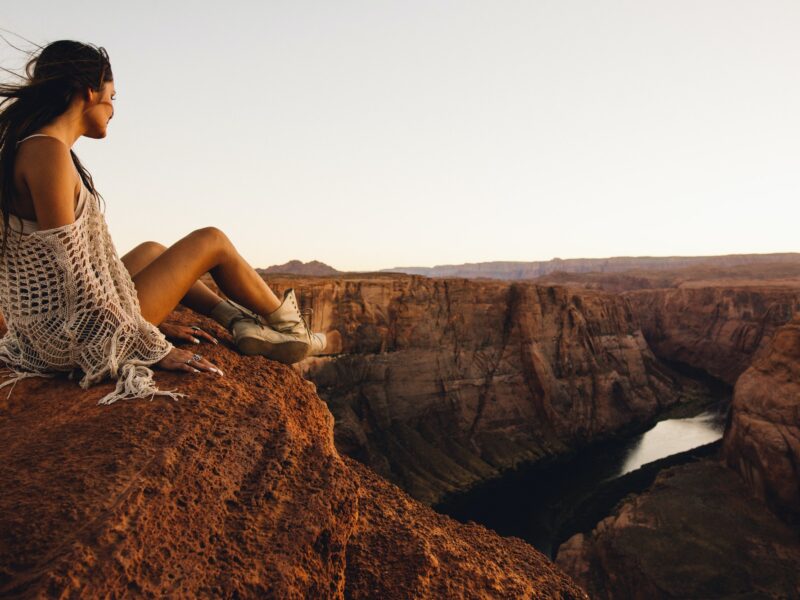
(69, 302)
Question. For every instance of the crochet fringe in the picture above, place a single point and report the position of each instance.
(136, 381)
(14, 376)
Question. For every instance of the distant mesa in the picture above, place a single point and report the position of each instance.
(297, 267)
(778, 264)
(615, 274)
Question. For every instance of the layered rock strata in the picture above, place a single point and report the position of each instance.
(696, 533)
(236, 490)
(438, 384)
(763, 440)
(718, 329)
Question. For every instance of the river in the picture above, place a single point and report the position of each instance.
(545, 504)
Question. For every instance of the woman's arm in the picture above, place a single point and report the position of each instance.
(47, 169)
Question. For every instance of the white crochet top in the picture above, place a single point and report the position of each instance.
(69, 303)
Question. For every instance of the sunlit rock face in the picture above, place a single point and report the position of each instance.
(763, 440)
(438, 384)
(717, 328)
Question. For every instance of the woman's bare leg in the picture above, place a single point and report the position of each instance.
(163, 283)
(199, 298)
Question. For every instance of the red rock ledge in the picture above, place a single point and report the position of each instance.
(235, 491)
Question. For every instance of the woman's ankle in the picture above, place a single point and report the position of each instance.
(225, 312)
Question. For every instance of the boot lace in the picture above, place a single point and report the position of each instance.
(307, 315)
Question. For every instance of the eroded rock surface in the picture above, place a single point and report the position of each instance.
(234, 491)
(437, 384)
(763, 440)
(696, 533)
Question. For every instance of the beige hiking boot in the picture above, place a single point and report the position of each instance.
(288, 319)
(284, 336)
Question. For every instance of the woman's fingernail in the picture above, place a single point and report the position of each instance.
(221, 374)
(195, 341)
(214, 340)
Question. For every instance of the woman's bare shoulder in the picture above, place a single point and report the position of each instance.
(43, 155)
(44, 166)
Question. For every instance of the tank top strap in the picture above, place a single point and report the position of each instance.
(33, 135)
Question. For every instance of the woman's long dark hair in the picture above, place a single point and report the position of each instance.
(52, 78)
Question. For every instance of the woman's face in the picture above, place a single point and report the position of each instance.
(99, 111)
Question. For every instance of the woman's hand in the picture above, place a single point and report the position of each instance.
(185, 360)
(182, 332)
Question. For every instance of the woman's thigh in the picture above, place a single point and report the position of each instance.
(162, 283)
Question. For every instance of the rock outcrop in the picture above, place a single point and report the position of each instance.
(763, 440)
(696, 533)
(236, 490)
(439, 384)
(719, 329)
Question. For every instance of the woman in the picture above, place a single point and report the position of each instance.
(69, 302)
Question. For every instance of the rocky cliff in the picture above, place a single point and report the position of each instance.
(719, 328)
(438, 384)
(763, 440)
(236, 490)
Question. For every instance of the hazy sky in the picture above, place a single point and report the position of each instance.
(376, 134)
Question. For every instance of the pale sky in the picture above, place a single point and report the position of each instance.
(377, 134)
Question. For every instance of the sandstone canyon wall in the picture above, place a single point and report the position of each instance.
(719, 329)
(763, 440)
(438, 384)
(235, 491)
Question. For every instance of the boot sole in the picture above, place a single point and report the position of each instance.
(287, 353)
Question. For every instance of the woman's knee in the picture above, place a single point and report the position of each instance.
(212, 238)
(142, 255)
(149, 250)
